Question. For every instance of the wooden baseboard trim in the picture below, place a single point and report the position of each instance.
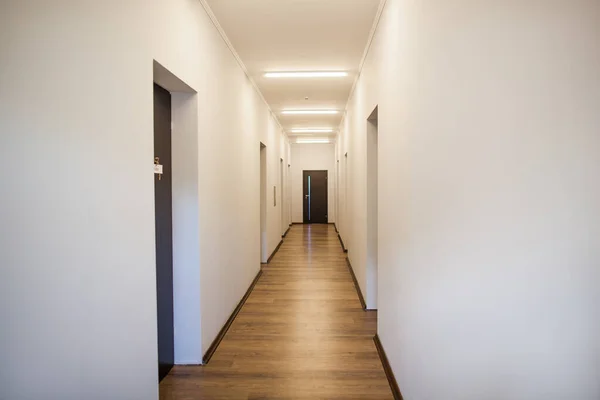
(356, 286)
(286, 232)
(336, 229)
(342, 243)
(213, 346)
(274, 251)
(388, 369)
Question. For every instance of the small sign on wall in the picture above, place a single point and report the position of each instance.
(158, 168)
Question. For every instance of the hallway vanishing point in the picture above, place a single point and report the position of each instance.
(301, 334)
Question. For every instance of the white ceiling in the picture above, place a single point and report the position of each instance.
(299, 35)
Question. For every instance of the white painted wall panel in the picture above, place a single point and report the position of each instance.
(77, 278)
(489, 197)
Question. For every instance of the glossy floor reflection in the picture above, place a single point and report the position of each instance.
(302, 334)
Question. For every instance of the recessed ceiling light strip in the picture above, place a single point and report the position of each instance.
(307, 141)
(315, 112)
(306, 74)
(312, 130)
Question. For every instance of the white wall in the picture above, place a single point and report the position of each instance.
(77, 282)
(186, 235)
(306, 157)
(371, 263)
(489, 196)
(283, 190)
(264, 255)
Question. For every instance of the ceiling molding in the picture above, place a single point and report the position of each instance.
(364, 57)
(219, 28)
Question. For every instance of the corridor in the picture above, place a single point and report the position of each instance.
(302, 333)
(155, 153)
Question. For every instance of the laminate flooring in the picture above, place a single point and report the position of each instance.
(302, 334)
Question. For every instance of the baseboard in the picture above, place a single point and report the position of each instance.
(356, 285)
(274, 251)
(342, 243)
(388, 369)
(163, 371)
(213, 346)
(286, 232)
(336, 229)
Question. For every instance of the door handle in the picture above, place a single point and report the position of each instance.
(306, 196)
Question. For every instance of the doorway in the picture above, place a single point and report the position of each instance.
(346, 222)
(263, 204)
(163, 210)
(289, 195)
(315, 197)
(284, 224)
(337, 195)
(372, 215)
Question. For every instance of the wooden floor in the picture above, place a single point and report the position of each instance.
(302, 334)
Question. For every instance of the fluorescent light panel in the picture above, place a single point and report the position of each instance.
(314, 112)
(312, 130)
(306, 141)
(307, 74)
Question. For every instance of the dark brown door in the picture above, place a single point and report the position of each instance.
(164, 230)
(315, 197)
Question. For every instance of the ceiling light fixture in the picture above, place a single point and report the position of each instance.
(307, 74)
(307, 141)
(312, 130)
(315, 112)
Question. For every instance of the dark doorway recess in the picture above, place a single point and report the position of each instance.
(315, 197)
(164, 230)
